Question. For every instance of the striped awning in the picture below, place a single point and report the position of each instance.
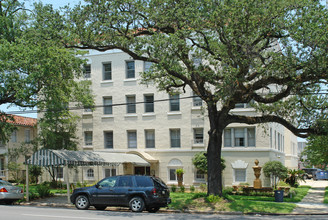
(47, 157)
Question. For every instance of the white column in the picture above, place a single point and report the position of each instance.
(67, 184)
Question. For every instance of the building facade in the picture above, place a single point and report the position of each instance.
(26, 131)
(167, 130)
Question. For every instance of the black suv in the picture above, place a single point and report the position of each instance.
(136, 192)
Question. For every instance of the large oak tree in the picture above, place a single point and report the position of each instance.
(36, 70)
(272, 52)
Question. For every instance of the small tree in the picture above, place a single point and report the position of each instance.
(200, 162)
(294, 176)
(276, 170)
(35, 172)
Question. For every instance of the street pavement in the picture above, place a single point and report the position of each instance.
(312, 203)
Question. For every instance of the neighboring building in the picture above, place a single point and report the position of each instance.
(25, 133)
(168, 133)
(300, 148)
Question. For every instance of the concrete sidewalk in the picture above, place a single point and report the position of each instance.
(312, 203)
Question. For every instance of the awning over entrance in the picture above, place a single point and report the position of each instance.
(47, 157)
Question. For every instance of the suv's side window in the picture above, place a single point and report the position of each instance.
(143, 181)
(108, 182)
(125, 181)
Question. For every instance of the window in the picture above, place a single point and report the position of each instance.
(130, 73)
(108, 182)
(197, 101)
(131, 104)
(200, 175)
(107, 71)
(88, 138)
(27, 136)
(14, 137)
(279, 142)
(240, 175)
(227, 137)
(239, 137)
(251, 137)
(244, 105)
(270, 137)
(87, 109)
(108, 108)
(87, 71)
(132, 139)
(174, 103)
(175, 138)
(198, 136)
(125, 181)
(147, 66)
(2, 144)
(149, 103)
(108, 139)
(2, 165)
(173, 176)
(150, 138)
(110, 172)
(90, 174)
(143, 181)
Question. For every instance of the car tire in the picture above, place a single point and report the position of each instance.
(137, 204)
(98, 207)
(153, 209)
(82, 202)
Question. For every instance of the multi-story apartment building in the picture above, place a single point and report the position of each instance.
(26, 131)
(167, 130)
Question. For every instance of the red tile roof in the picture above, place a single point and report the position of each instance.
(20, 120)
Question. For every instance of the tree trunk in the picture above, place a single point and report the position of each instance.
(214, 153)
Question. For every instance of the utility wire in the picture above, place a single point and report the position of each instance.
(119, 104)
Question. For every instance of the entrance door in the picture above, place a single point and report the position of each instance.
(142, 171)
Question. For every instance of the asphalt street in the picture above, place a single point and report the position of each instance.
(50, 213)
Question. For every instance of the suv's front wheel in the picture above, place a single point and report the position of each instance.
(137, 204)
(82, 202)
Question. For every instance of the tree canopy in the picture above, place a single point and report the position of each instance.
(316, 151)
(272, 53)
(36, 70)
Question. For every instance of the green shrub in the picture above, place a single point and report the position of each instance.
(213, 199)
(173, 188)
(203, 187)
(192, 188)
(282, 183)
(182, 188)
(227, 190)
(43, 190)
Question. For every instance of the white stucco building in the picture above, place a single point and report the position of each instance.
(167, 130)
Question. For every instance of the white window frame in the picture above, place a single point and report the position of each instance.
(87, 73)
(128, 72)
(199, 177)
(14, 136)
(88, 138)
(132, 139)
(108, 105)
(149, 133)
(246, 135)
(174, 103)
(90, 174)
(237, 166)
(149, 105)
(198, 135)
(105, 140)
(131, 107)
(107, 73)
(112, 171)
(175, 136)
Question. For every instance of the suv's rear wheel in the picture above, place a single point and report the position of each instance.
(153, 209)
(137, 204)
(82, 202)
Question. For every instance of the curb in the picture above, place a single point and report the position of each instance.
(120, 209)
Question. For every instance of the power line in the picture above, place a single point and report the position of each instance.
(120, 104)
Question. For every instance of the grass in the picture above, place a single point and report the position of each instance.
(238, 203)
(326, 196)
